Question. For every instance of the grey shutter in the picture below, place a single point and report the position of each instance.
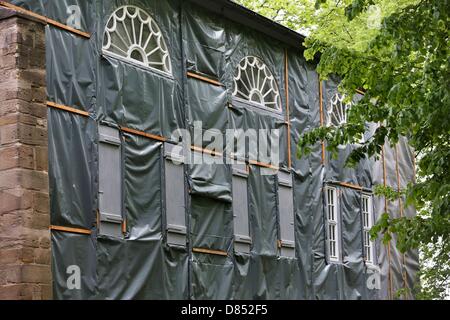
(242, 240)
(286, 213)
(110, 181)
(175, 195)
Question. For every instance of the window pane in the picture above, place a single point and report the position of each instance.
(254, 82)
(132, 34)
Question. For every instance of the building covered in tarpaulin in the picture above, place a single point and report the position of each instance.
(133, 215)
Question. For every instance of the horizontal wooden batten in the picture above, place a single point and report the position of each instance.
(44, 19)
(210, 251)
(67, 108)
(262, 164)
(143, 134)
(204, 79)
(349, 185)
(70, 230)
(207, 151)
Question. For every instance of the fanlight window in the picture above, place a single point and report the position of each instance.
(337, 111)
(254, 82)
(132, 34)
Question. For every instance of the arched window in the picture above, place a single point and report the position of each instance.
(254, 82)
(337, 111)
(132, 34)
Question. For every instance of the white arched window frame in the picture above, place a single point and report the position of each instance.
(336, 112)
(254, 82)
(132, 35)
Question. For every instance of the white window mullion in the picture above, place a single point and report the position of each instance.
(254, 82)
(367, 215)
(122, 32)
(333, 232)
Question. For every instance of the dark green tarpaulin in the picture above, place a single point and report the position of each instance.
(142, 265)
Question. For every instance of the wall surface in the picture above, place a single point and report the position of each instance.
(24, 200)
(87, 88)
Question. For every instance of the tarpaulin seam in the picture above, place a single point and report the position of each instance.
(45, 20)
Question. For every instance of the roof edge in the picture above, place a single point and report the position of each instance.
(244, 16)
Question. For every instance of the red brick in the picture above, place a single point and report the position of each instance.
(26, 157)
(17, 117)
(32, 135)
(31, 240)
(9, 179)
(16, 291)
(44, 242)
(9, 157)
(27, 179)
(39, 94)
(35, 273)
(11, 273)
(36, 109)
(41, 156)
(27, 255)
(24, 203)
(42, 256)
(15, 199)
(34, 77)
(37, 221)
(16, 156)
(11, 227)
(34, 180)
(9, 256)
(9, 78)
(47, 293)
(8, 61)
(7, 107)
(9, 119)
(9, 134)
(41, 202)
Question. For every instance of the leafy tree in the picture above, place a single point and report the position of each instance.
(398, 53)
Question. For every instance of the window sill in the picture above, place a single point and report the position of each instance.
(238, 102)
(107, 54)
